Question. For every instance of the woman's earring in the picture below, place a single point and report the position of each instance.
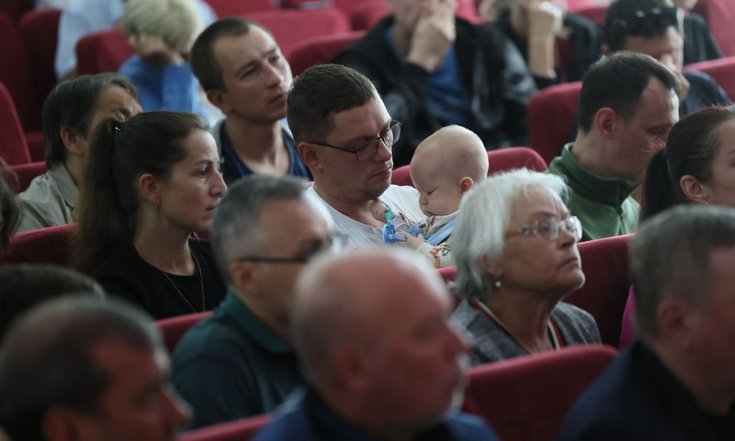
(497, 283)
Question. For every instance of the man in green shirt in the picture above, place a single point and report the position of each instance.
(240, 362)
(627, 106)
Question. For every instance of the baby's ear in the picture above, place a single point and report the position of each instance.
(465, 184)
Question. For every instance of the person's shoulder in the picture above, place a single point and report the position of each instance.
(571, 312)
(466, 427)
(291, 422)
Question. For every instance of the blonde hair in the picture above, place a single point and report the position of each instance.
(177, 22)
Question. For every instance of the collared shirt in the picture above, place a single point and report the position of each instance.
(233, 168)
(400, 199)
(233, 365)
(603, 205)
(309, 418)
(49, 200)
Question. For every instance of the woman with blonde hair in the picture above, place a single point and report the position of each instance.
(161, 32)
(150, 183)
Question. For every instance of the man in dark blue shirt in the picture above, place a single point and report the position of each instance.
(677, 381)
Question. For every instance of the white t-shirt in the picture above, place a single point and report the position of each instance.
(400, 199)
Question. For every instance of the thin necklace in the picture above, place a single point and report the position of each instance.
(201, 284)
(550, 328)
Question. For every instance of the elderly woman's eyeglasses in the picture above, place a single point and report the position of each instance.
(363, 152)
(336, 242)
(548, 229)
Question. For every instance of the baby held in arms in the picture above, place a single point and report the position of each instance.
(444, 167)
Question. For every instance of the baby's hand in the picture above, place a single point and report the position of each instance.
(377, 209)
(413, 241)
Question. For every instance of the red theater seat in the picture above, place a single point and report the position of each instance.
(320, 50)
(720, 16)
(722, 71)
(45, 245)
(103, 51)
(13, 146)
(551, 118)
(24, 174)
(526, 398)
(15, 74)
(174, 328)
(239, 430)
(505, 159)
(228, 8)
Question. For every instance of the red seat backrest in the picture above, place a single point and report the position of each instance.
(605, 291)
(45, 245)
(228, 8)
(291, 27)
(15, 73)
(550, 116)
(173, 328)
(720, 16)
(239, 430)
(504, 159)
(24, 174)
(320, 50)
(594, 12)
(103, 51)
(15, 8)
(526, 398)
(39, 32)
(722, 71)
(13, 146)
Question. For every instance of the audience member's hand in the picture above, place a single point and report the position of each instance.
(434, 34)
(413, 241)
(153, 49)
(545, 20)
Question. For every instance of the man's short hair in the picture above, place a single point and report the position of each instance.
(670, 256)
(638, 18)
(319, 93)
(618, 81)
(177, 22)
(72, 104)
(235, 228)
(46, 359)
(25, 286)
(203, 62)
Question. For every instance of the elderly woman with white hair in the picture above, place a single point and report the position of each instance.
(161, 33)
(517, 257)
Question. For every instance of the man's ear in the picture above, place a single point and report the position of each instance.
(676, 321)
(351, 370)
(606, 122)
(693, 189)
(72, 139)
(150, 187)
(63, 424)
(606, 50)
(242, 276)
(219, 100)
(309, 156)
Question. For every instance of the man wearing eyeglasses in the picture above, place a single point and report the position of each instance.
(652, 27)
(345, 136)
(239, 361)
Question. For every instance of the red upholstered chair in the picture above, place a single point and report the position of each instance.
(720, 16)
(39, 32)
(365, 16)
(15, 8)
(228, 8)
(551, 117)
(15, 74)
(605, 265)
(239, 430)
(292, 27)
(103, 51)
(526, 398)
(320, 50)
(505, 159)
(24, 174)
(13, 146)
(173, 328)
(592, 11)
(45, 245)
(722, 71)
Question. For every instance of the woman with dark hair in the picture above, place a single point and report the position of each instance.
(697, 166)
(151, 182)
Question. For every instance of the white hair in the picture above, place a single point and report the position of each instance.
(484, 215)
(177, 22)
